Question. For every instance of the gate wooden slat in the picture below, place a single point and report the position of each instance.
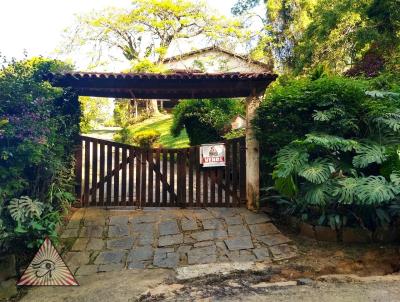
(94, 173)
(116, 176)
(212, 185)
(143, 178)
(172, 177)
(158, 179)
(150, 182)
(183, 176)
(190, 185)
(131, 180)
(123, 180)
(164, 172)
(137, 178)
(219, 183)
(109, 169)
(242, 173)
(198, 177)
(78, 171)
(227, 175)
(205, 187)
(235, 169)
(101, 176)
(179, 177)
(87, 173)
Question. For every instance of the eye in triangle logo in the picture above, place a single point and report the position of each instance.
(47, 269)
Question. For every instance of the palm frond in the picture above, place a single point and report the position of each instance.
(317, 171)
(290, 159)
(374, 190)
(368, 154)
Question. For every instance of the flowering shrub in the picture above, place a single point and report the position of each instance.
(38, 126)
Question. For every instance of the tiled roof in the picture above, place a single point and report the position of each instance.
(158, 76)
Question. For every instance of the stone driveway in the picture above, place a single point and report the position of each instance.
(111, 240)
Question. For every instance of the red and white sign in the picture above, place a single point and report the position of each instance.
(212, 155)
(47, 268)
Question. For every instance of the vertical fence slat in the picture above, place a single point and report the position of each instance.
(87, 172)
(150, 187)
(101, 175)
(109, 176)
(184, 191)
(212, 185)
(94, 173)
(137, 179)
(78, 170)
(242, 173)
(143, 196)
(123, 180)
(158, 179)
(219, 184)
(227, 175)
(164, 173)
(198, 177)
(205, 187)
(116, 176)
(130, 172)
(190, 184)
(235, 172)
(172, 177)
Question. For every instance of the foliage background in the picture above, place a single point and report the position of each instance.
(40, 125)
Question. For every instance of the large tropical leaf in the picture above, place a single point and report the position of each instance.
(331, 142)
(318, 194)
(390, 120)
(346, 190)
(395, 178)
(24, 208)
(286, 186)
(374, 190)
(368, 154)
(290, 159)
(317, 171)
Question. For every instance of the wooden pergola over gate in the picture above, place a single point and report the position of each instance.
(182, 86)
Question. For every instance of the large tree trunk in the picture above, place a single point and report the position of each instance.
(153, 107)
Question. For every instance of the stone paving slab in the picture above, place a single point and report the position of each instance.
(113, 240)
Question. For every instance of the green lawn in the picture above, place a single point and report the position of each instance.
(163, 123)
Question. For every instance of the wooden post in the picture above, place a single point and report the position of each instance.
(252, 155)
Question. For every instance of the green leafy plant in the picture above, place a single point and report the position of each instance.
(343, 174)
(146, 138)
(38, 131)
(205, 120)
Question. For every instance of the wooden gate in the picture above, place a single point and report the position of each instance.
(115, 174)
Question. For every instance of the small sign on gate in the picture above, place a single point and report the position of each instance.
(212, 155)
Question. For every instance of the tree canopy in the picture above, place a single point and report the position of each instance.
(148, 29)
(358, 36)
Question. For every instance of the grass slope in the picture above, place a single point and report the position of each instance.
(163, 123)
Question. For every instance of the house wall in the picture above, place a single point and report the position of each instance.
(215, 61)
